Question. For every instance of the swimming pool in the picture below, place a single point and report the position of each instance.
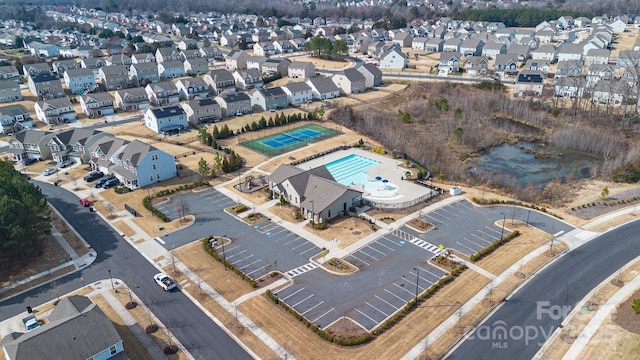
(349, 170)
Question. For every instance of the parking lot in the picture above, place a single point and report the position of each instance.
(387, 279)
(469, 229)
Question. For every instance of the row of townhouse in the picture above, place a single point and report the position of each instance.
(134, 163)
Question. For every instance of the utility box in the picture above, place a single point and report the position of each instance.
(455, 190)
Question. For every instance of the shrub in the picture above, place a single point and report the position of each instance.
(493, 246)
(636, 306)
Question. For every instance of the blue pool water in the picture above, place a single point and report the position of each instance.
(350, 169)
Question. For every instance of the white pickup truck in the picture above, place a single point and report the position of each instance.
(165, 282)
(30, 323)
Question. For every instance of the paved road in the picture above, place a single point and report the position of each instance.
(201, 336)
(519, 328)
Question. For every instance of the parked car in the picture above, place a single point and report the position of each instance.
(64, 163)
(94, 175)
(165, 282)
(49, 171)
(85, 202)
(101, 181)
(28, 161)
(110, 183)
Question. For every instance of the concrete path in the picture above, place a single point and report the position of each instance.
(601, 315)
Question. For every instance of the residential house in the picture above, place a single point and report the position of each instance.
(196, 66)
(166, 120)
(314, 191)
(521, 52)
(301, 69)
(144, 73)
(449, 62)
(492, 49)
(93, 64)
(10, 91)
(628, 59)
(228, 40)
(529, 83)
(139, 58)
(568, 68)
(55, 111)
(45, 86)
(541, 65)
(419, 43)
(269, 99)
(234, 103)
(97, 104)
(192, 87)
(118, 59)
(597, 72)
(171, 69)
(14, 118)
(544, 52)
(545, 35)
(60, 66)
(477, 66)
(134, 99)
(298, 93)
(211, 53)
(190, 54)
(323, 87)
(74, 144)
(403, 39)
(452, 45)
(264, 48)
(114, 77)
(618, 26)
(30, 144)
(570, 87)
(220, 80)
(9, 72)
(570, 52)
(298, 43)
(236, 59)
(255, 62)
(361, 45)
(471, 47)
(597, 56)
(165, 54)
(138, 164)
(283, 46)
(80, 81)
(273, 66)
(375, 49)
(372, 75)
(202, 110)
(393, 59)
(77, 328)
(248, 79)
(610, 92)
(349, 81)
(163, 93)
(30, 70)
(505, 65)
(434, 45)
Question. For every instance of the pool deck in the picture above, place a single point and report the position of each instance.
(388, 169)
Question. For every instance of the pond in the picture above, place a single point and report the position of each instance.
(528, 163)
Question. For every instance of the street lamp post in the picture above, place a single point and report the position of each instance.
(111, 279)
(224, 256)
(529, 213)
(504, 218)
(417, 279)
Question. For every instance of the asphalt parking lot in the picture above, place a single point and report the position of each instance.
(468, 228)
(256, 250)
(387, 279)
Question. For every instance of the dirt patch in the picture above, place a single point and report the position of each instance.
(286, 212)
(346, 329)
(123, 228)
(210, 271)
(339, 266)
(322, 64)
(254, 218)
(41, 280)
(74, 241)
(626, 317)
(346, 230)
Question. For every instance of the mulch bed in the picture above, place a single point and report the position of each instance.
(627, 318)
(591, 212)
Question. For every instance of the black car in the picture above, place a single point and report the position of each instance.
(94, 175)
(28, 161)
(110, 183)
(99, 183)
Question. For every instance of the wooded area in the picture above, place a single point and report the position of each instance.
(24, 216)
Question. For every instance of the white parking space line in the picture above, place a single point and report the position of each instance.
(494, 230)
(253, 263)
(303, 300)
(232, 248)
(428, 272)
(292, 241)
(374, 249)
(290, 295)
(309, 249)
(451, 214)
(434, 219)
(320, 317)
(373, 257)
(382, 312)
(474, 243)
(480, 239)
(392, 241)
(385, 301)
(243, 259)
(258, 269)
(383, 245)
(468, 248)
(402, 287)
(313, 307)
(357, 258)
(236, 254)
(365, 315)
(303, 244)
(403, 300)
(278, 232)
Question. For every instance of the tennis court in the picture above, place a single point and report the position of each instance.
(290, 139)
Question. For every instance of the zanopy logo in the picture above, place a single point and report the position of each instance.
(555, 312)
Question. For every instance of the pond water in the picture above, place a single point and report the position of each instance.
(532, 164)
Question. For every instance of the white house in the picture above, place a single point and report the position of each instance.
(80, 81)
(301, 69)
(393, 59)
(323, 87)
(55, 111)
(166, 120)
(97, 104)
(298, 92)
